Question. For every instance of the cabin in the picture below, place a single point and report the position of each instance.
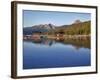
(59, 34)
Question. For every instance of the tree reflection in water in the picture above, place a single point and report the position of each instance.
(77, 43)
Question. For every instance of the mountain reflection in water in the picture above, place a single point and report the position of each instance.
(78, 43)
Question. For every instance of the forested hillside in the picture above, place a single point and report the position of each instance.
(83, 28)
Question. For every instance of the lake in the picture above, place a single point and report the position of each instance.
(47, 53)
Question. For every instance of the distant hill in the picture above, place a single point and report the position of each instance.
(82, 28)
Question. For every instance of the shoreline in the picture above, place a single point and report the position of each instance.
(57, 37)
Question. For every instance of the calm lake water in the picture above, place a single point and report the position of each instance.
(47, 53)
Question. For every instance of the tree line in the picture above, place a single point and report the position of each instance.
(83, 28)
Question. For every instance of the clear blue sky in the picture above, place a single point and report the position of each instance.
(31, 18)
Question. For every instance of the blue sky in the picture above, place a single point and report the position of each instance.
(31, 17)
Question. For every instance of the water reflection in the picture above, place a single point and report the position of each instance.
(51, 53)
(78, 43)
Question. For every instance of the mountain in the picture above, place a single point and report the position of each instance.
(44, 26)
(77, 22)
(38, 28)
